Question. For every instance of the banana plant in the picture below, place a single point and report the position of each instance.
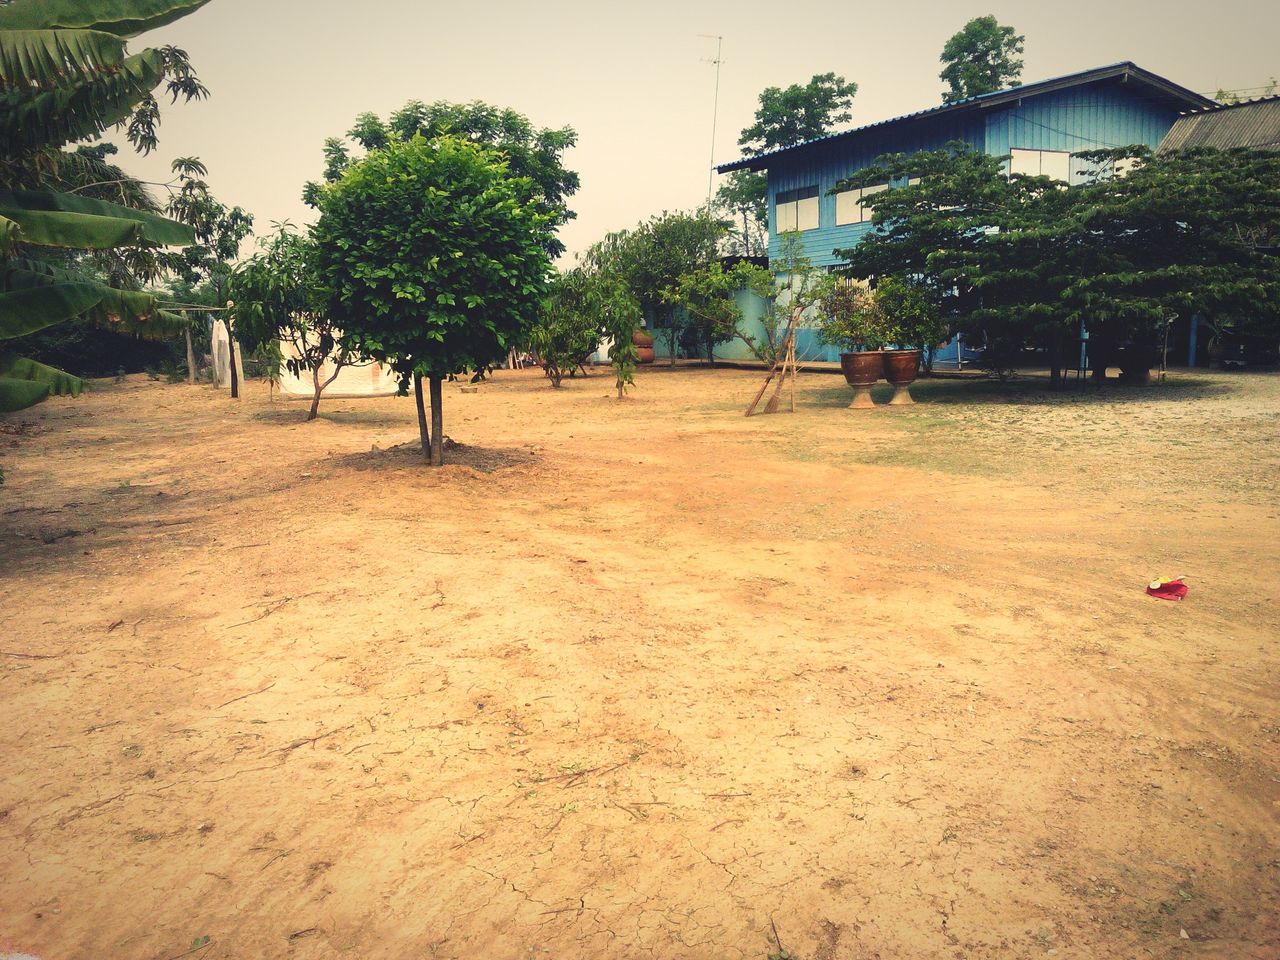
(66, 74)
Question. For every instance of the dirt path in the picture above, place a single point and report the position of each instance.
(642, 680)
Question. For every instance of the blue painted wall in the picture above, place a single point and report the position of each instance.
(1079, 118)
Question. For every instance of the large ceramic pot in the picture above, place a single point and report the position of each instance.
(862, 370)
(644, 346)
(1135, 365)
(901, 368)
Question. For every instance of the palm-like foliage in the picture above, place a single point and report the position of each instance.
(66, 75)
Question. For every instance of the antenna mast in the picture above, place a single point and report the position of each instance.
(715, 109)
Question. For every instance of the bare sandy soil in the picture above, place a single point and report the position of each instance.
(644, 679)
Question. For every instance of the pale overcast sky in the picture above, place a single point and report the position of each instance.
(631, 80)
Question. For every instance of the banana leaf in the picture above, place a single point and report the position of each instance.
(77, 110)
(69, 220)
(124, 311)
(48, 58)
(8, 234)
(26, 311)
(77, 231)
(17, 395)
(25, 382)
(123, 18)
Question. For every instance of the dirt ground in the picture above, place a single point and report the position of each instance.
(645, 679)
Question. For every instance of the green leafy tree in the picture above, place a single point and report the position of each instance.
(1195, 231)
(981, 58)
(977, 245)
(567, 330)
(708, 295)
(66, 75)
(435, 261)
(219, 232)
(619, 315)
(784, 118)
(653, 256)
(743, 198)
(800, 112)
(534, 155)
(797, 295)
(278, 300)
(617, 312)
(1022, 261)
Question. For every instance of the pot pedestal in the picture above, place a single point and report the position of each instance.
(862, 397)
(900, 369)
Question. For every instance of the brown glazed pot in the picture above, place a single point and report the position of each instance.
(643, 344)
(901, 368)
(862, 370)
(1135, 366)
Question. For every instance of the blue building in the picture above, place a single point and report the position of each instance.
(1037, 127)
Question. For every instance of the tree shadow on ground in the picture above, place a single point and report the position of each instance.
(409, 456)
(293, 412)
(118, 517)
(1035, 391)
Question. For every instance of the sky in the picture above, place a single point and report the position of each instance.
(633, 80)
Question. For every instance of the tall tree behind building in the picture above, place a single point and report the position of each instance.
(981, 58)
(784, 118)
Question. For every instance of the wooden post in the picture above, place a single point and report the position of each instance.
(191, 355)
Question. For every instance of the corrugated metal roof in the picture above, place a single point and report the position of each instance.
(1250, 123)
(1125, 69)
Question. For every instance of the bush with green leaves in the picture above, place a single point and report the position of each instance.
(909, 313)
(434, 258)
(651, 258)
(277, 300)
(849, 317)
(567, 331)
(708, 297)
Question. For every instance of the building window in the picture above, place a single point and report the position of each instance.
(1123, 166)
(797, 210)
(1041, 163)
(849, 208)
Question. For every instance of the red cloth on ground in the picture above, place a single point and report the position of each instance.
(1167, 590)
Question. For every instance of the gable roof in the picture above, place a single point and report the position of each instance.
(1250, 123)
(1125, 72)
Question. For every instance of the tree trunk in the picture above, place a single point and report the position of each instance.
(437, 423)
(231, 353)
(424, 434)
(1056, 361)
(315, 399)
(191, 358)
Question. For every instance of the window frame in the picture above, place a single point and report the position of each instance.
(1040, 154)
(854, 197)
(800, 207)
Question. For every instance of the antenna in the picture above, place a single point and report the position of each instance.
(715, 109)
